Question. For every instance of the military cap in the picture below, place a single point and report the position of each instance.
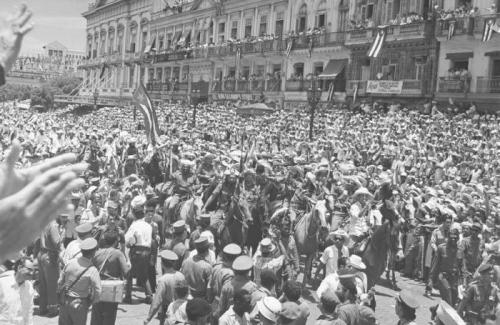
(232, 249)
(168, 255)
(138, 202)
(88, 244)
(348, 281)
(201, 243)
(179, 226)
(84, 228)
(243, 263)
(485, 268)
(407, 298)
(290, 310)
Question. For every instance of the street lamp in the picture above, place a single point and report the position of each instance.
(313, 98)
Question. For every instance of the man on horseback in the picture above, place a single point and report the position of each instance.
(224, 191)
(184, 184)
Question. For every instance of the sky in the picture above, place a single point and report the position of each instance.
(55, 20)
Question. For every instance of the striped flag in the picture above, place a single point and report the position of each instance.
(331, 89)
(289, 47)
(490, 26)
(451, 29)
(238, 53)
(103, 69)
(310, 46)
(143, 102)
(378, 43)
(355, 93)
(151, 47)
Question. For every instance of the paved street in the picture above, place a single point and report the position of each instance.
(134, 314)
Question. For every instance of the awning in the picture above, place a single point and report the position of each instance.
(176, 37)
(459, 56)
(333, 68)
(492, 53)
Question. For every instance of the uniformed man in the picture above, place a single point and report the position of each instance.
(267, 257)
(481, 298)
(222, 273)
(241, 268)
(139, 238)
(197, 269)
(48, 264)
(406, 306)
(166, 285)
(178, 244)
(72, 251)
(79, 286)
(470, 251)
(238, 313)
(445, 268)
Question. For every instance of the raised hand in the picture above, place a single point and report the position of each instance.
(11, 36)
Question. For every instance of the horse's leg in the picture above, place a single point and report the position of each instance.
(307, 269)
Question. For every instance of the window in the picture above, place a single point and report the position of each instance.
(222, 28)
(234, 30)
(161, 42)
(259, 71)
(318, 68)
(460, 64)
(276, 68)
(369, 11)
(321, 20)
(144, 40)
(363, 12)
(298, 70)
(495, 68)
(343, 20)
(159, 75)
(302, 19)
(263, 26)
(248, 27)
(245, 72)
(389, 72)
(280, 22)
(419, 68)
(231, 72)
(132, 47)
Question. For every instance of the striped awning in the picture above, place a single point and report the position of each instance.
(333, 68)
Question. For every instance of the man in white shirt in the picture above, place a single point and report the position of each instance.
(138, 238)
(16, 294)
(72, 251)
(238, 313)
(335, 251)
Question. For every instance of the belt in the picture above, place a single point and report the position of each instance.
(141, 247)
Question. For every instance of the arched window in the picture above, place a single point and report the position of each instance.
(320, 20)
(302, 19)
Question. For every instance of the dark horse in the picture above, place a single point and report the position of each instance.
(234, 228)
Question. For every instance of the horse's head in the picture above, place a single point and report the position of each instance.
(197, 205)
(242, 210)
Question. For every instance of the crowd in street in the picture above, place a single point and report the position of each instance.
(236, 211)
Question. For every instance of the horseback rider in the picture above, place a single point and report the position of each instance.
(224, 191)
(184, 184)
(206, 171)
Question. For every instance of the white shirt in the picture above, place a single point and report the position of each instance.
(71, 251)
(139, 234)
(358, 224)
(16, 301)
(329, 283)
(330, 258)
(231, 318)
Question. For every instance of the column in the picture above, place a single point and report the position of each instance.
(255, 31)
(241, 30)
(228, 25)
(272, 21)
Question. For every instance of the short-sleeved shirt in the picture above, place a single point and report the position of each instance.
(197, 272)
(113, 263)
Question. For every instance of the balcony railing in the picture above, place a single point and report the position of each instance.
(413, 30)
(463, 26)
(447, 85)
(488, 85)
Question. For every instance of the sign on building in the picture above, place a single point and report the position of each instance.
(384, 87)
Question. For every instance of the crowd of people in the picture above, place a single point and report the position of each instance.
(222, 205)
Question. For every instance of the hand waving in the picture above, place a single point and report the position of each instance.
(31, 198)
(11, 36)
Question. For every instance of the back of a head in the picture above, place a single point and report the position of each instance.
(292, 290)
(197, 308)
(110, 238)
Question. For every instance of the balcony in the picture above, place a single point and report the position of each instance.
(463, 26)
(447, 85)
(488, 85)
(244, 86)
(480, 20)
(394, 33)
(410, 88)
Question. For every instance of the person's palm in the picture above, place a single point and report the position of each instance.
(12, 31)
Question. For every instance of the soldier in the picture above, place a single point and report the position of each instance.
(79, 286)
(178, 244)
(197, 269)
(222, 273)
(445, 268)
(267, 257)
(166, 285)
(72, 251)
(241, 267)
(470, 252)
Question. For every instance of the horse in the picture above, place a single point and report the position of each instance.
(189, 210)
(307, 231)
(235, 228)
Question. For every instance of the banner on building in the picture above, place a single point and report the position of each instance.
(384, 87)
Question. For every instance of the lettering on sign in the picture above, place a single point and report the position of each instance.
(384, 87)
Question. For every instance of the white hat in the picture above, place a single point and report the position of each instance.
(270, 308)
(356, 262)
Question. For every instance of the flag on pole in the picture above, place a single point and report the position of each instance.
(331, 89)
(289, 47)
(378, 43)
(490, 26)
(238, 53)
(143, 102)
(451, 29)
(310, 46)
(355, 93)
(103, 70)
(151, 47)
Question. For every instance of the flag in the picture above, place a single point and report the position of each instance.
(40, 67)
(103, 70)
(310, 46)
(378, 43)
(289, 47)
(451, 29)
(151, 47)
(143, 102)
(355, 93)
(331, 91)
(238, 53)
(490, 26)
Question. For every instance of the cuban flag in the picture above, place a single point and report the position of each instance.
(144, 103)
(451, 29)
(289, 47)
(490, 26)
(355, 94)
(378, 43)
